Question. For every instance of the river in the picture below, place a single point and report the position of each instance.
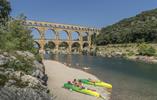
(131, 80)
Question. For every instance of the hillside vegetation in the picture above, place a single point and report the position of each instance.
(137, 29)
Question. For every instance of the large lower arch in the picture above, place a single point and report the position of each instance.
(85, 45)
(75, 47)
(85, 36)
(85, 49)
(35, 33)
(75, 36)
(50, 34)
(64, 36)
(63, 47)
(50, 45)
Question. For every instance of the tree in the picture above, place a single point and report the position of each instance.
(16, 36)
(5, 9)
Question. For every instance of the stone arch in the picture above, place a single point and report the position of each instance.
(75, 47)
(50, 45)
(50, 34)
(75, 36)
(85, 45)
(64, 35)
(35, 33)
(63, 47)
(85, 36)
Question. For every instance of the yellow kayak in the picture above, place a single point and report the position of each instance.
(96, 83)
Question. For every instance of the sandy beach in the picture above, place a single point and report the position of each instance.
(58, 74)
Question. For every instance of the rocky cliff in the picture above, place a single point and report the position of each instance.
(22, 77)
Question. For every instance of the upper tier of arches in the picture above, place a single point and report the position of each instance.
(63, 35)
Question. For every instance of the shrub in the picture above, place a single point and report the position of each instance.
(131, 53)
(145, 49)
(3, 79)
(38, 57)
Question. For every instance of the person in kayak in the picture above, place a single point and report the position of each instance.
(69, 82)
(78, 83)
(74, 81)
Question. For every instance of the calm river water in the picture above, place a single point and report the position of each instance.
(131, 80)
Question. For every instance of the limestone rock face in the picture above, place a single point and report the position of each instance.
(25, 54)
(14, 93)
(15, 81)
(32, 81)
(39, 70)
(3, 60)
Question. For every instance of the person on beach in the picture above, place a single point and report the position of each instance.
(69, 82)
(78, 83)
(74, 82)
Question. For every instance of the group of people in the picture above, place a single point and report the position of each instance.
(77, 83)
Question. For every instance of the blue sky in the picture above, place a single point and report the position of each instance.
(94, 13)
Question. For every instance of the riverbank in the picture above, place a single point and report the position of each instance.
(128, 51)
(59, 73)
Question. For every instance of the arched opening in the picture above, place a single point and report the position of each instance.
(85, 45)
(85, 48)
(35, 34)
(50, 45)
(63, 36)
(85, 36)
(50, 34)
(63, 47)
(75, 36)
(36, 47)
(75, 47)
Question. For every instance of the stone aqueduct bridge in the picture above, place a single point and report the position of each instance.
(42, 27)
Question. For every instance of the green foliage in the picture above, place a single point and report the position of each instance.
(145, 49)
(5, 9)
(38, 57)
(138, 29)
(16, 36)
(131, 53)
(93, 39)
(3, 79)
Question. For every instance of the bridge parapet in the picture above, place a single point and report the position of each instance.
(60, 26)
